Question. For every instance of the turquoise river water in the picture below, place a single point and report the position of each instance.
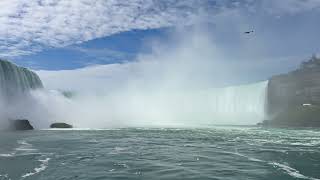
(226, 153)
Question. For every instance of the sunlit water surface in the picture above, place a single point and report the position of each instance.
(138, 153)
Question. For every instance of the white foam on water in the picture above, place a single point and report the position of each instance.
(25, 149)
(7, 155)
(272, 150)
(242, 155)
(23, 142)
(119, 150)
(24, 146)
(78, 129)
(43, 166)
(312, 143)
(6, 176)
(287, 169)
(291, 171)
(93, 141)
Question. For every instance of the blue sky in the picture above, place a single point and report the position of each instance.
(117, 48)
(71, 34)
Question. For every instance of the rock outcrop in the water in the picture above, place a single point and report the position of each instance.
(15, 80)
(294, 98)
(60, 125)
(20, 125)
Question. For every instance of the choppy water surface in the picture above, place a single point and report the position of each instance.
(213, 153)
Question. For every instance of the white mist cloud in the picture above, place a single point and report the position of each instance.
(172, 86)
(289, 6)
(41, 108)
(193, 58)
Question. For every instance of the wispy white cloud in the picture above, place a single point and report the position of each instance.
(281, 7)
(98, 55)
(29, 26)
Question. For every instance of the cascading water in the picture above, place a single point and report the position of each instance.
(233, 105)
(236, 105)
(244, 104)
(16, 80)
(15, 85)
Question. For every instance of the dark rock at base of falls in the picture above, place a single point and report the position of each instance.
(60, 125)
(300, 116)
(20, 125)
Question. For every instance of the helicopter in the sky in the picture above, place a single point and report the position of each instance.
(248, 32)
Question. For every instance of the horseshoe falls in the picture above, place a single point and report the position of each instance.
(233, 105)
(244, 104)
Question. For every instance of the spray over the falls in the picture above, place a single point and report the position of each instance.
(237, 105)
(175, 86)
(182, 85)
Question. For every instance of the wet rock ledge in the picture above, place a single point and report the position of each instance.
(60, 125)
(20, 125)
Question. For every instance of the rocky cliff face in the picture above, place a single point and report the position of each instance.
(296, 88)
(20, 125)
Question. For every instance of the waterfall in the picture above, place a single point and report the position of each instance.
(233, 105)
(16, 102)
(239, 104)
(14, 80)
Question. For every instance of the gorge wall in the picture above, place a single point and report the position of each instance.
(297, 92)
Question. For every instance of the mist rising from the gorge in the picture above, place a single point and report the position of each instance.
(178, 84)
